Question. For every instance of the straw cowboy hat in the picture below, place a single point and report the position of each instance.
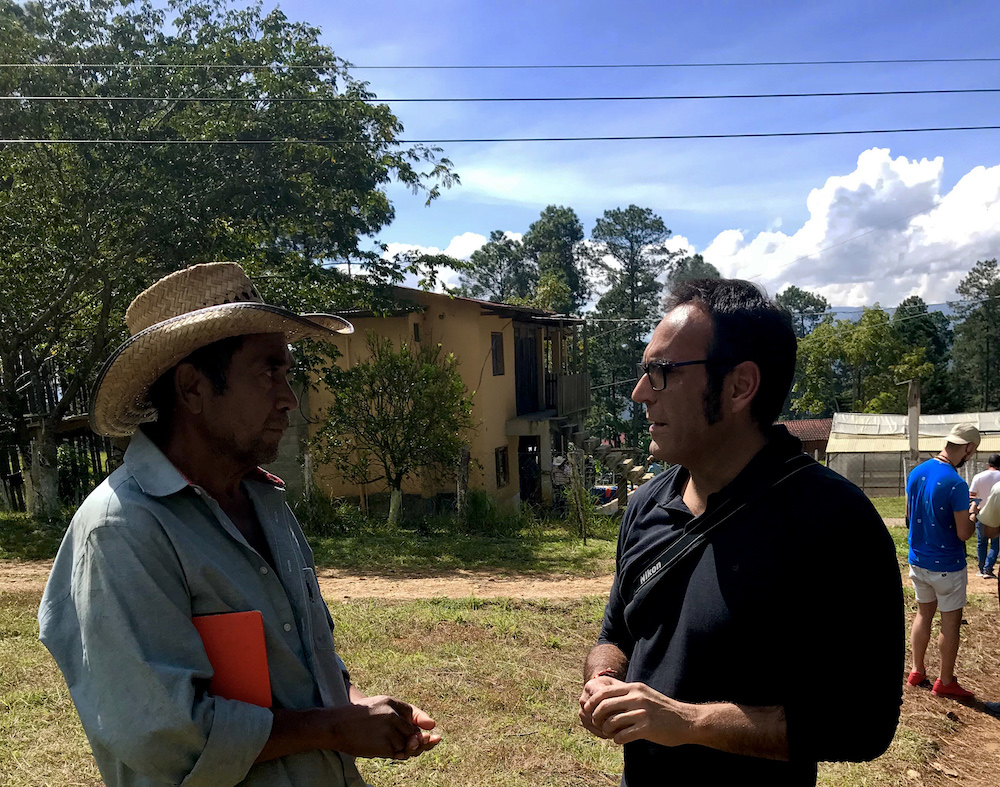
(173, 318)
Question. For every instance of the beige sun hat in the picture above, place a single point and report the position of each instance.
(173, 318)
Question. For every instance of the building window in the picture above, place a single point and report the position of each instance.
(503, 472)
(416, 331)
(497, 354)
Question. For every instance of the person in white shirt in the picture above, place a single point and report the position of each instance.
(979, 490)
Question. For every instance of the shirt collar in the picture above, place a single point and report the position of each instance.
(781, 445)
(155, 474)
(158, 477)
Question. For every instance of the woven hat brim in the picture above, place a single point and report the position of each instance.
(119, 400)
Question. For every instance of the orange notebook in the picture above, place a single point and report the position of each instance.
(234, 642)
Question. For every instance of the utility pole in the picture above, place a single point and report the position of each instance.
(913, 411)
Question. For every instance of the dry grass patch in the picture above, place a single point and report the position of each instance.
(502, 678)
(41, 741)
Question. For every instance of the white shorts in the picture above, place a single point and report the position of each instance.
(947, 588)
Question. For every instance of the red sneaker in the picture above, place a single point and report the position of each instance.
(916, 678)
(952, 689)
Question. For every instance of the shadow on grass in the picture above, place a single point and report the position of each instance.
(24, 538)
(551, 552)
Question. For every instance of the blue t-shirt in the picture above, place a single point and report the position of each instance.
(934, 492)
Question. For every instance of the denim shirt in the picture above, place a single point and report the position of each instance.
(146, 552)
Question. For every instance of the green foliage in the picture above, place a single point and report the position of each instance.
(806, 308)
(555, 243)
(917, 327)
(322, 516)
(629, 254)
(857, 367)
(688, 268)
(977, 336)
(24, 538)
(486, 516)
(399, 413)
(500, 271)
(86, 226)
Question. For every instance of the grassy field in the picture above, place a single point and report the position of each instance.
(501, 676)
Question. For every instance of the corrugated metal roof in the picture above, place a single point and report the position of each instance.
(809, 428)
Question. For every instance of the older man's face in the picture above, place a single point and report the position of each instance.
(248, 419)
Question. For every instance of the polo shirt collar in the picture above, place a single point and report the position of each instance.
(781, 445)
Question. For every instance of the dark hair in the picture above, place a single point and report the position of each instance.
(746, 326)
(212, 360)
(994, 461)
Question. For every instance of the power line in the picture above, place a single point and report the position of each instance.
(496, 99)
(509, 66)
(493, 140)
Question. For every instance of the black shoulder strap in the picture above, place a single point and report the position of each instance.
(702, 526)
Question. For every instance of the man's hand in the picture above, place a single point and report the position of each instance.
(626, 712)
(383, 727)
(590, 688)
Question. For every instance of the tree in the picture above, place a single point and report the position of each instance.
(629, 254)
(688, 268)
(84, 225)
(976, 351)
(398, 414)
(555, 243)
(917, 327)
(806, 308)
(500, 271)
(848, 366)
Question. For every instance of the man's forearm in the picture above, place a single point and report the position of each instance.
(627, 712)
(295, 731)
(605, 658)
(755, 731)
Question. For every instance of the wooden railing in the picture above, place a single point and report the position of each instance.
(567, 393)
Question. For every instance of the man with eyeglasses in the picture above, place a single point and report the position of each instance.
(722, 652)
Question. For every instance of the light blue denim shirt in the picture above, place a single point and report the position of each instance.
(147, 551)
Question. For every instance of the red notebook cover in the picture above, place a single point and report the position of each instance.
(234, 642)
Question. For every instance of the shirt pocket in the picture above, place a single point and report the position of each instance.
(320, 623)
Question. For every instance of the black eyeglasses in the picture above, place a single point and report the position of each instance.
(657, 370)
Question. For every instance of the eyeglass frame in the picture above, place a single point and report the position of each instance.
(642, 369)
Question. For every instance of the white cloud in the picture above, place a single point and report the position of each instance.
(881, 233)
(461, 247)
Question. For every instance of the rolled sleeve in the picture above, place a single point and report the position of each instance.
(238, 733)
(140, 682)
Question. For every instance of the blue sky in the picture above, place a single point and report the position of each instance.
(745, 203)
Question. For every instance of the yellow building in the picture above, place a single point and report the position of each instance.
(524, 369)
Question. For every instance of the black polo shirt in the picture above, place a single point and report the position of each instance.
(795, 601)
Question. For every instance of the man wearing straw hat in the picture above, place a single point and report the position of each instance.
(190, 526)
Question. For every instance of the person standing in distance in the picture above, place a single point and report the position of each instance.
(939, 524)
(190, 525)
(979, 490)
(714, 662)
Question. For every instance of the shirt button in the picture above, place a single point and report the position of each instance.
(263, 569)
(287, 627)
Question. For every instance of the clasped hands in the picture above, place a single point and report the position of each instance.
(625, 712)
(386, 727)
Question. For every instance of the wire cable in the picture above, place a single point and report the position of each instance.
(493, 140)
(509, 66)
(494, 99)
